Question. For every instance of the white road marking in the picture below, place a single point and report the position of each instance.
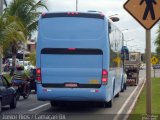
(126, 102)
(31, 110)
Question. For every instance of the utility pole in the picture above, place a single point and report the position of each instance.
(1, 12)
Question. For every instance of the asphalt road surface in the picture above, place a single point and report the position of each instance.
(33, 109)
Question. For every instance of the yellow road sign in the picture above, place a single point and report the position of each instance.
(117, 60)
(146, 12)
(154, 60)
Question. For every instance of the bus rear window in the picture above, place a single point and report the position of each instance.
(72, 28)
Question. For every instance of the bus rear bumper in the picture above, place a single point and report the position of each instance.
(71, 94)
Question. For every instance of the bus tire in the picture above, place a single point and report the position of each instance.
(122, 85)
(117, 95)
(109, 104)
(53, 103)
(123, 88)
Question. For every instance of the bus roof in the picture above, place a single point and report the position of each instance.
(74, 14)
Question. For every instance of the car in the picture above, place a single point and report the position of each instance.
(27, 65)
(157, 66)
(8, 64)
(7, 93)
(142, 66)
(33, 80)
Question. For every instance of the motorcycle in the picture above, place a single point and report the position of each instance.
(22, 86)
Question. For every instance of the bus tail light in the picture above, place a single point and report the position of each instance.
(72, 13)
(104, 76)
(72, 49)
(38, 75)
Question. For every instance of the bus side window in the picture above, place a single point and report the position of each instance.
(109, 27)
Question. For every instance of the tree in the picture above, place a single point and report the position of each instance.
(5, 2)
(32, 58)
(157, 41)
(27, 12)
(11, 34)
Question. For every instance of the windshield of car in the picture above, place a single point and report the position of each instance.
(26, 63)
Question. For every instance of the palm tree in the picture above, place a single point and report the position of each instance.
(11, 34)
(157, 41)
(27, 12)
(32, 58)
(5, 2)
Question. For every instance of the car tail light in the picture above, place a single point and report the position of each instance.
(104, 76)
(38, 75)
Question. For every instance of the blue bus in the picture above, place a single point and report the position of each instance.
(78, 58)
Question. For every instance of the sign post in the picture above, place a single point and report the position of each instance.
(147, 13)
(148, 73)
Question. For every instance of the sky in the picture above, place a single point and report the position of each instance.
(135, 32)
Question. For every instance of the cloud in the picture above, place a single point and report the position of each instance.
(109, 7)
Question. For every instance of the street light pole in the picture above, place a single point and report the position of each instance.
(1, 12)
(128, 41)
(76, 5)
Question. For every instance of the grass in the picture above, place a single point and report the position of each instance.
(140, 107)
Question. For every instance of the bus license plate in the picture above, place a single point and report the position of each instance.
(72, 85)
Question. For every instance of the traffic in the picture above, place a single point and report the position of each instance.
(69, 68)
(87, 60)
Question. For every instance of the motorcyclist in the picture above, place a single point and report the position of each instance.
(21, 77)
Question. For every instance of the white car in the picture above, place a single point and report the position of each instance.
(9, 61)
(8, 64)
(27, 65)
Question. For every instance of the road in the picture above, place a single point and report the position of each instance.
(79, 111)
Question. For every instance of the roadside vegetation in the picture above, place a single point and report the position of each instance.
(32, 58)
(140, 108)
(18, 22)
(157, 42)
(8, 77)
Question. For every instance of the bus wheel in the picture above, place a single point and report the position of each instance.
(109, 104)
(123, 88)
(105, 105)
(54, 103)
(117, 95)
